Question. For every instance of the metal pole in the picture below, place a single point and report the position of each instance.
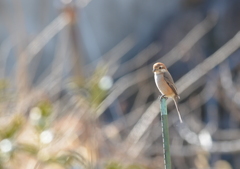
(165, 133)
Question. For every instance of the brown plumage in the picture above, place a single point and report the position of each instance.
(165, 83)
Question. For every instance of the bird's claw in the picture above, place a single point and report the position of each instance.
(162, 96)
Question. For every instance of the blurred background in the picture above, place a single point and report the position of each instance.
(77, 88)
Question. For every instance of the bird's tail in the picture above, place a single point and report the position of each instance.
(179, 115)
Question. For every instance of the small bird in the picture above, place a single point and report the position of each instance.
(165, 84)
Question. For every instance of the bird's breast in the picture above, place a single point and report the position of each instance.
(163, 86)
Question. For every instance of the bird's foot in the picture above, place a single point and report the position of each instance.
(162, 96)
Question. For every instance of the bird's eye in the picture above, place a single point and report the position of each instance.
(160, 67)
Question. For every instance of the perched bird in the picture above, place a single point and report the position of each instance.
(165, 84)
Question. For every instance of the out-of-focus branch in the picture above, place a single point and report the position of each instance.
(201, 99)
(46, 35)
(113, 55)
(5, 48)
(83, 3)
(228, 103)
(76, 57)
(120, 86)
(212, 61)
(51, 79)
(134, 63)
(144, 92)
(190, 150)
(143, 73)
(192, 137)
(190, 40)
(230, 94)
(186, 81)
(216, 146)
(228, 134)
(113, 129)
(20, 38)
(133, 116)
(53, 73)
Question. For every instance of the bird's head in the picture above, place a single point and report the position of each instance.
(159, 68)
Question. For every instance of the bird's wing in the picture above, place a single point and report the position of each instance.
(168, 78)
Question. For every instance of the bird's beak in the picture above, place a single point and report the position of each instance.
(153, 70)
